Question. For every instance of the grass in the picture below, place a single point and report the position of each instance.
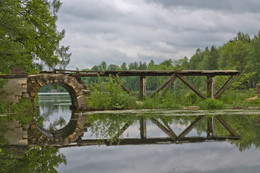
(211, 103)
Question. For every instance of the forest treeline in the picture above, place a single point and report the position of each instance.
(241, 53)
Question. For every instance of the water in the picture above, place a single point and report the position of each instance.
(149, 141)
(54, 109)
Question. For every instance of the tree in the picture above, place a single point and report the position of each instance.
(113, 67)
(133, 66)
(103, 65)
(28, 35)
(123, 66)
(142, 66)
(196, 59)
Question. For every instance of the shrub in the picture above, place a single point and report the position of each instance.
(211, 103)
(107, 94)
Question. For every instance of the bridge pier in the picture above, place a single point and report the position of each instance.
(210, 86)
(142, 87)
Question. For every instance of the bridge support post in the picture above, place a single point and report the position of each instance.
(143, 128)
(211, 127)
(142, 87)
(210, 87)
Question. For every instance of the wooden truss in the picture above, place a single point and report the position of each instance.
(174, 74)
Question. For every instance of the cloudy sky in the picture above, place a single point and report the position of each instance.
(118, 31)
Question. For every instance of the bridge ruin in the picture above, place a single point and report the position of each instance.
(21, 85)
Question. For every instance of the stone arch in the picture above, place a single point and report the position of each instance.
(35, 82)
(75, 128)
(73, 131)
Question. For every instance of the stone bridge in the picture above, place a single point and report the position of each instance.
(27, 86)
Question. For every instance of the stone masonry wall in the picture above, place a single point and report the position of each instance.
(17, 89)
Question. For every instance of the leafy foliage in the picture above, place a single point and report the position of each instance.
(107, 94)
(28, 35)
(35, 159)
(107, 126)
(22, 111)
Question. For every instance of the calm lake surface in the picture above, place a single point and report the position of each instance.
(156, 140)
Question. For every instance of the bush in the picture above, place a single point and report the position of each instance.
(255, 102)
(107, 94)
(211, 103)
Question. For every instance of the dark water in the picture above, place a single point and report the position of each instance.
(148, 141)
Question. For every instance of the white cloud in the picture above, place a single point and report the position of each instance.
(186, 158)
(119, 31)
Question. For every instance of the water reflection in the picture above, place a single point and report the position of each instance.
(110, 129)
(54, 110)
(241, 132)
(144, 141)
(129, 129)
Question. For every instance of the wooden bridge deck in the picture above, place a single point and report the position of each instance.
(146, 72)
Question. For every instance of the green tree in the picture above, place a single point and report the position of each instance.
(28, 35)
(255, 58)
(123, 66)
(103, 65)
(196, 59)
(113, 67)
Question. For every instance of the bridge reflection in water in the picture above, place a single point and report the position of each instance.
(164, 124)
(111, 129)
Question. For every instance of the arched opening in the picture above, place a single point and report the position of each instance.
(54, 107)
(62, 134)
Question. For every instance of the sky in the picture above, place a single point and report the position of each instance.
(118, 31)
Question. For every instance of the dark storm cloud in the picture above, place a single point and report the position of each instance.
(118, 31)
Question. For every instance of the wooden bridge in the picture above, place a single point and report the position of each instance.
(173, 75)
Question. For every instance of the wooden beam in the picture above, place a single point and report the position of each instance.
(160, 141)
(122, 130)
(227, 126)
(143, 128)
(148, 72)
(190, 127)
(210, 87)
(142, 87)
(211, 126)
(168, 85)
(225, 86)
(164, 129)
(168, 128)
(161, 86)
(122, 85)
(191, 86)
